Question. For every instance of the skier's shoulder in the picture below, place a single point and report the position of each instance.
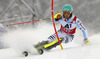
(77, 19)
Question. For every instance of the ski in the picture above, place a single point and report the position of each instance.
(25, 53)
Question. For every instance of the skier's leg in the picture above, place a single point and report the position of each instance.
(53, 42)
(68, 38)
(49, 40)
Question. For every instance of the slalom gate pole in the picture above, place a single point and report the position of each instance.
(54, 25)
(28, 22)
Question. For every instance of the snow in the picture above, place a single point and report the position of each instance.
(23, 39)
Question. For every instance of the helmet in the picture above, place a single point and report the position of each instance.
(67, 7)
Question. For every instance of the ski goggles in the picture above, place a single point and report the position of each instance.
(66, 13)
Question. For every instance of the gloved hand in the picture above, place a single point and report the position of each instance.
(87, 42)
(57, 16)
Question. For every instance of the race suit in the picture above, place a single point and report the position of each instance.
(68, 29)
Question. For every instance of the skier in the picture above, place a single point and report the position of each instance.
(2, 31)
(69, 22)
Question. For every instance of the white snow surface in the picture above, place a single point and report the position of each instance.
(23, 39)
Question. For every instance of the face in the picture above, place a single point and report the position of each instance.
(66, 14)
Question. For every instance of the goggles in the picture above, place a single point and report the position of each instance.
(66, 14)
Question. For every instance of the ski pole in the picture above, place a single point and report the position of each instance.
(27, 22)
(55, 26)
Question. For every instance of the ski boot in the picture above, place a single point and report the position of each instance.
(40, 46)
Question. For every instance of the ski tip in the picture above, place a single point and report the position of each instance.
(40, 51)
(25, 53)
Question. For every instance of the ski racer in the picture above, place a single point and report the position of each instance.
(2, 31)
(69, 22)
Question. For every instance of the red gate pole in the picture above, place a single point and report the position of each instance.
(27, 22)
(54, 25)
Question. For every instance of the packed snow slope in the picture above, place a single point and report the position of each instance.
(23, 39)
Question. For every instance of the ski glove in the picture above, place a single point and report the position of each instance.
(57, 17)
(86, 42)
